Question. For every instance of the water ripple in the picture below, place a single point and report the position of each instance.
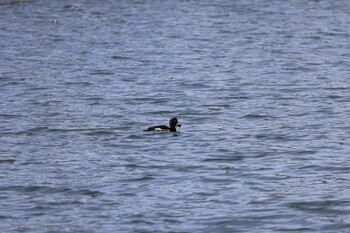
(261, 88)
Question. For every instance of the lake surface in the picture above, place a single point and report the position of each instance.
(262, 89)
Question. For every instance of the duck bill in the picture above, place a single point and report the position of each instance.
(178, 125)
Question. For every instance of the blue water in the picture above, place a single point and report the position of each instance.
(262, 89)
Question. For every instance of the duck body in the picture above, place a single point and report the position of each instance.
(173, 123)
(161, 128)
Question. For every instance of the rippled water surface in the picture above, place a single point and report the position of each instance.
(262, 89)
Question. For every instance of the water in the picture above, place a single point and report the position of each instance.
(261, 87)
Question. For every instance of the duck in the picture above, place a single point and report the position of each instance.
(173, 123)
